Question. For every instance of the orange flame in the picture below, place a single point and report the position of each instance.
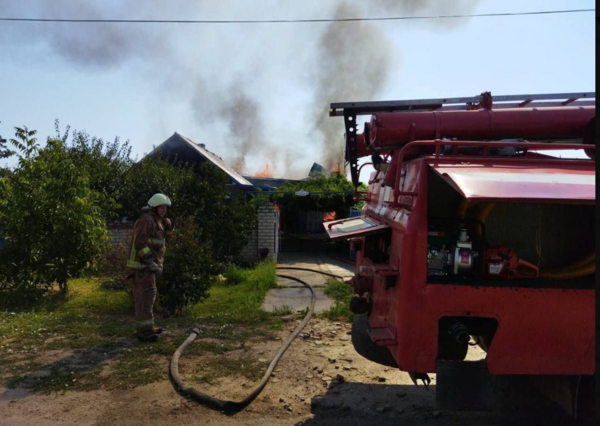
(265, 172)
(328, 216)
(278, 210)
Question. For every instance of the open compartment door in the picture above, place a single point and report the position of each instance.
(353, 227)
(516, 182)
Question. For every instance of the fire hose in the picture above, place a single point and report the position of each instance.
(232, 407)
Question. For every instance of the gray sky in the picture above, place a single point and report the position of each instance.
(259, 93)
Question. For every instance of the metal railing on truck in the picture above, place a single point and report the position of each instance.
(351, 110)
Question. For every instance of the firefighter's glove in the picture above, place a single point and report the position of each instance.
(152, 266)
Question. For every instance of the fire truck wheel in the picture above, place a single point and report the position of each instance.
(586, 401)
(484, 342)
(365, 347)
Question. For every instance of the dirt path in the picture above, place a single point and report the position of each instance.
(319, 381)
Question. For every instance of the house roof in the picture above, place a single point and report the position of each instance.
(269, 184)
(179, 143)
(316, 169)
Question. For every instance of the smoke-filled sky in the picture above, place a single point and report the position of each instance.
(257, 94)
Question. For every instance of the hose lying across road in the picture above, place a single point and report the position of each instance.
(232, 407)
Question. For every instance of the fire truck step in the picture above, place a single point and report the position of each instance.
(382, 336)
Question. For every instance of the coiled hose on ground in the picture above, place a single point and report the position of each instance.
(232, 407)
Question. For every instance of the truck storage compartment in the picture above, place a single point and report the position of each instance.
(509, 241)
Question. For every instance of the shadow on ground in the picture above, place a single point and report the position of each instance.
(76, 363)
(356, 404)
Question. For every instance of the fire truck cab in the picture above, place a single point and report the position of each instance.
(477, 229)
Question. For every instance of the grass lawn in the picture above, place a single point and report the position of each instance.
(341, 293)
(86, 342)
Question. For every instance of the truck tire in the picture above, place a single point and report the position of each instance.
(586, 401)
(365, 347)
(484, 342)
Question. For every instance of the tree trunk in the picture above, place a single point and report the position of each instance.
(63, 286)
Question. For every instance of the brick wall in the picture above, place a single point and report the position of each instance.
(267, 229)
(119, 232)
(249, 253)
(264, 236)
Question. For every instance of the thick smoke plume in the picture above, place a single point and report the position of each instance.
(354, 61)
(97, 45)
(229, 105)
(241, 114)
(429, 8)
(353, 64)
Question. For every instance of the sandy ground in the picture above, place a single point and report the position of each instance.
(319, 381)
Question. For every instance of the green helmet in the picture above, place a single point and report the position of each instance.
(159, 200)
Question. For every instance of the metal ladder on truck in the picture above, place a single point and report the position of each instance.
(351, 110)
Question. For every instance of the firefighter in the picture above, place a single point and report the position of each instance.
(145, 263)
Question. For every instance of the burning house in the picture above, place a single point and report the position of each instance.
(184, 149)
(263, 241)
(273, 222)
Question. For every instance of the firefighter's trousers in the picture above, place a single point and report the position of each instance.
(144, 295)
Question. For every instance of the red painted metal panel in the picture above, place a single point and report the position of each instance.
(540, 331)
(520, 181)
(388, 129)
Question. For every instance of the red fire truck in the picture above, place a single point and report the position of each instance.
(478, 229)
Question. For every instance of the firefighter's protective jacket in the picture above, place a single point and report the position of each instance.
(147, 242)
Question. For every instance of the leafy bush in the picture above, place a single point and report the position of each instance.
(106, 164)
(234, 275)
(53, 207)
(341, 293)
(54, 228)
(187, 269)
(211, 225)
(116, 254)
(223, 220)
(110, 267)
(328, 194)
(4, 152)
(20, 291)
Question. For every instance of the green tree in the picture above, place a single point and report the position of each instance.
(25, 142)
(211, 224)
(106, 164)
(4, 152)
(223, 219)
(188, 265)
(53, 223)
